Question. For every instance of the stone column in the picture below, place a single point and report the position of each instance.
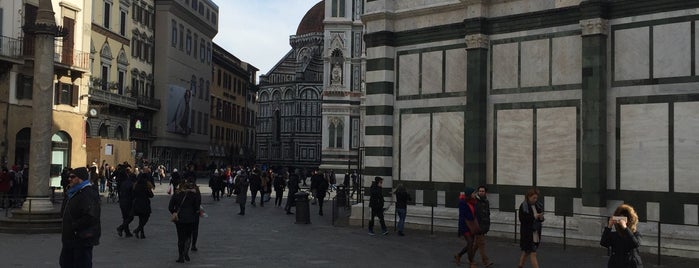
(476, 103)
(594, 103)
(42, 109)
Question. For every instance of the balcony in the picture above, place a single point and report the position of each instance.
(148, 103)
(108, 97)
(11, 49)
(65, 57)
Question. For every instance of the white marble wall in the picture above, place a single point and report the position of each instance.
(514, 147)
(432, 72)
(631, 54)
(672, 50)
(448, 147)
(644, 147)
(566, 57)
(691, 214)
(455, 77)
(686, 147)
(504, 67)
(556, 147)
(408, 74)
(415, 147)
(535, 63)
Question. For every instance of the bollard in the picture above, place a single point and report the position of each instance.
(362, 212)
(432, 222)
(515, 226)
(302, 209)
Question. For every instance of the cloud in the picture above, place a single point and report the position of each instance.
(257, 31)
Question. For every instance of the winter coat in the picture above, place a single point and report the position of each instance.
(624, 246)
(142, 194)
(241, 185)
(483, 213)
(81, 217)
(293, 184)
(279, 183)
(466, 209)
(255, 182)
(188, 203)
(125, 190)
(376, 197)
(322, 188)
(529, 224)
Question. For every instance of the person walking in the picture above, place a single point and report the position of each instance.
(214, 185)
(321, 191)
(531, 215)
(241, 189)
(625, 240)
(279, 186)
(315, 180)
(195, 228)
(125, 183)
(255, 187)
(402, 198)
(376, 204)
(184, 206)
(142, 193)
(468, 226)
(293, 189)
(483, 216)
(81, 228)
(175, 179)
(5, 185)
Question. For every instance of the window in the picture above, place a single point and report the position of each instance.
(174, 33)
(213, 17)
(218, 77)
(105, 77)
(196, 39)
(122, 23)
(338, 8)
(277, 126)
(355, 133)
(335, 133)
(202, 50)
(194, 4)
(208, 52)
(189, 42)
(181, 37)
(66, 94)
(120, 80)
(107, 14)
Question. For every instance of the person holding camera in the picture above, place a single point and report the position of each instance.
(625, 240)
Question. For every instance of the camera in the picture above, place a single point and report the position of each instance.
(619, 218)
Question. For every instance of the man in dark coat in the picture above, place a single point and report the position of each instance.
(376, 203)
(293, 189)
(81, 221)
(255, 187)
(483, 217)
(321, 190)
(125, 181)
(315, 180)
(241, 187)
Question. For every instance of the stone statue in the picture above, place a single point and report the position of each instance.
(336, 75)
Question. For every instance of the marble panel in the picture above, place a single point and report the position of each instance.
(432, 72)
(448, 147)
(556, 130)
(455, 78)
(379, 76)
(408, 74)
(415, 147)
(566, 59)
(691, 214)
(535, 63)
(514, 147)
(653, 211)
(686, 137)
(672, 50)
(505, 58)
(696, 46)
(644, 147)
(631, 54)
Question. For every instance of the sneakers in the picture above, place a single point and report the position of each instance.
(371, 233)
(385, 232)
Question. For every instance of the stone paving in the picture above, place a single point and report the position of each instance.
(266, 237)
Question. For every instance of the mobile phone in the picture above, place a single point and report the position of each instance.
(619, 218)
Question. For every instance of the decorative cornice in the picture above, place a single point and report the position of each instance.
(594, 26)
(474, 41)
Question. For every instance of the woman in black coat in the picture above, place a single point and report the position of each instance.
(279, 185)
(531, 215)
(241, 188)
(186, 204)
(625, 241)
(142, 193)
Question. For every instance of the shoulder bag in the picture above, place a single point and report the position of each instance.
(174, 217)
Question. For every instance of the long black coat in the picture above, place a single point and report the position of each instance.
(141, 198)
(188, 203)
(125, 191)
(241, 185)
(376, 197)
(529, 224)
(624, 246)
(81, 217)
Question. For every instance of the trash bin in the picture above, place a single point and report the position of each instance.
(303, 215)
(341, 196)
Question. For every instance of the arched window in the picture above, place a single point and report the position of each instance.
(335, 133)
(119, 133)
(331, 135)
(60, 154)
(104, 131)
(339, 129)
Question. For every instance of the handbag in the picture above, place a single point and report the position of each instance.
(174, 217)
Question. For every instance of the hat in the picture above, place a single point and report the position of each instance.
(174, 170)
(81, 173)
(377, 179)
(468, 191)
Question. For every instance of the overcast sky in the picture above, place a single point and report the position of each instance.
(257, 31)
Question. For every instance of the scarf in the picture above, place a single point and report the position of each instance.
(73, 190)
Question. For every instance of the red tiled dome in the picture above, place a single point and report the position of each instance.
(312, 22)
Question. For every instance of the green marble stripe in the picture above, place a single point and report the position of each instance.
(378, 171)
(378, 130)
(378, 151)
(373, 88)
(380, 64)
(535, 89)
(379, 110)
(432, 96)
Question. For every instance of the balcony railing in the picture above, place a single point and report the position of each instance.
(10, 47)
(112, 98)
(62, 54)
(148, 102)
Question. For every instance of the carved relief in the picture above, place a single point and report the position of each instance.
(594, 26)
(477, 41)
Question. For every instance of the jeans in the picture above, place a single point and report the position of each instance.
(103, 182)
(401, 218)
(75, 256)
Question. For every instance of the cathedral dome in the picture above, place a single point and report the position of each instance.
(312, 22)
